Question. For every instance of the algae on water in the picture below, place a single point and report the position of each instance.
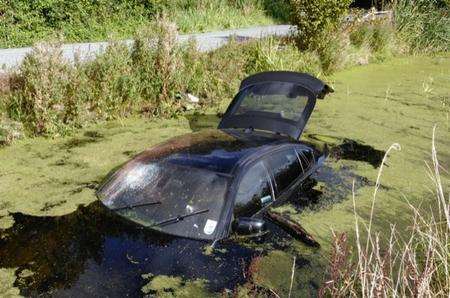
(7, 279)
(169, 286)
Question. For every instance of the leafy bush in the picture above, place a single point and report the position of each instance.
(25, 22)
(316, 20)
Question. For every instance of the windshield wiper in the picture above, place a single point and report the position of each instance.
(179, 218)
(137, 205)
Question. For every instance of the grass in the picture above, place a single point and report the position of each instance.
(220, 15)
(25, 23)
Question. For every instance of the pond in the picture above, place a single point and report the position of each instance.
(57, 240)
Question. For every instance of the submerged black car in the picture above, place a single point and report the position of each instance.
(203, 184)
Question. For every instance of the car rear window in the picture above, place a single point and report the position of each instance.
(281, 99)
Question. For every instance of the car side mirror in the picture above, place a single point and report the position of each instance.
(248, 226)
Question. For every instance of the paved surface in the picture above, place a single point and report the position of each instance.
(11, 58)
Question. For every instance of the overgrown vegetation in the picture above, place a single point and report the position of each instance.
(412, 264)
(52, 97)
(23, 23)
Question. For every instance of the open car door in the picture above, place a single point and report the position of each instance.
(279, 101)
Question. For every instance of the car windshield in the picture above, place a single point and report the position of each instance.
(174, 199)
(282, 99)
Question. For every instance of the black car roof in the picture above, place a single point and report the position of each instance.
(221, 150)
(224, 157)
(212, 149)
(316, 86)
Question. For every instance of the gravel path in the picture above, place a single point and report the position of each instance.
(10, 58)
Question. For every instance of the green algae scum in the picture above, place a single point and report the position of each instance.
(56, 239)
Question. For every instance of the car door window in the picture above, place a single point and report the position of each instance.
(285, 167)
(254, 191)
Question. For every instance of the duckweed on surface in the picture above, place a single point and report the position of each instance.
(168, 286)
(373, 107)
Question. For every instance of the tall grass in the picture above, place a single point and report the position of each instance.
(415, 266)
(203, 15)
(423, 24)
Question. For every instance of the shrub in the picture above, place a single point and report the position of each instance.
(109, 89)
(43, 82)
(316, 20)
(25, 22)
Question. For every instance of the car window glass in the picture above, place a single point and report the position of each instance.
(285, 167)
(253, 191)
(286, 100)
(155, 192)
